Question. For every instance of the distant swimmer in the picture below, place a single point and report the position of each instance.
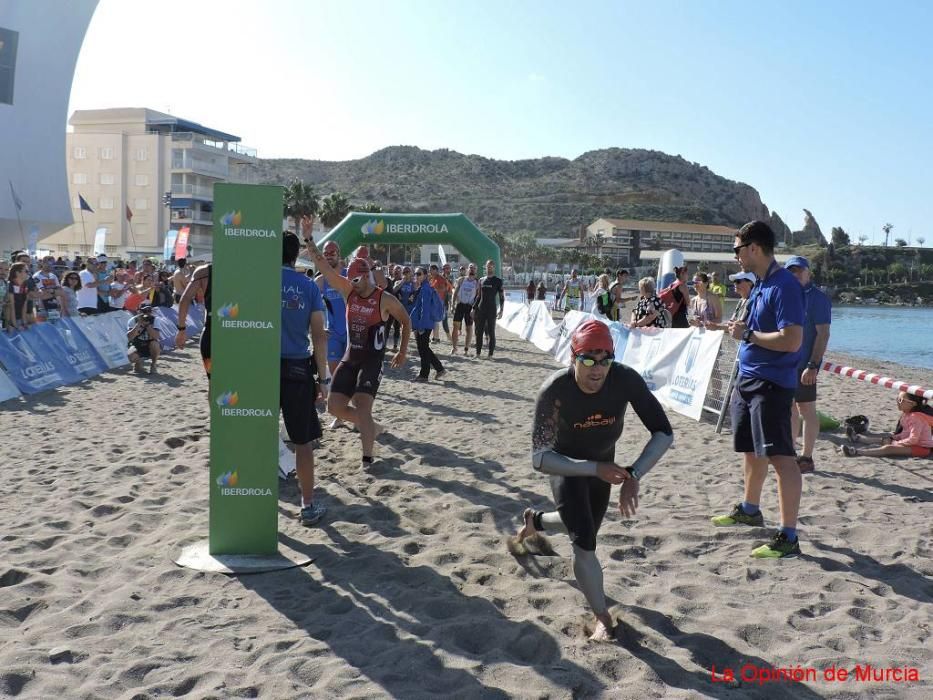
(578, 418)
(358, 375)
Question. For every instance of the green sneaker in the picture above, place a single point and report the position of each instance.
(778, 548)
(738, 517)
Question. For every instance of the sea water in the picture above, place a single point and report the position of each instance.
(901, 334)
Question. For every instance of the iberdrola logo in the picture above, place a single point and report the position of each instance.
(373, 227)
(229, 311)
(228, 479)
(232, 218)
(229, 398)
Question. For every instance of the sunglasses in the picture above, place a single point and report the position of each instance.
(419, 274)
(590, 361)
(737, 248)
(356, 280)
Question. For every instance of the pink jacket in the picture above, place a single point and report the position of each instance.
(915, 430)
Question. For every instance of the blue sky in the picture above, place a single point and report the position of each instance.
(824, 105)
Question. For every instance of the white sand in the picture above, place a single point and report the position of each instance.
(412, 593)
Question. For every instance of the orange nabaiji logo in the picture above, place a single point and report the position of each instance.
(595, 421)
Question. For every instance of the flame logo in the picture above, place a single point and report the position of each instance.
(373, 227)
(228, 479)
(232, 218)
(229, 311)
(230, 398)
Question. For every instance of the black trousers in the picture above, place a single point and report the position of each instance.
(428, 358)
(485, 324)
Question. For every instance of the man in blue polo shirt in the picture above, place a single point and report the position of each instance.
(764, 392)
(302, 310)
(819, 315)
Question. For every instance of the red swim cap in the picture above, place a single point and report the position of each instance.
(591, 336)
(358, 268)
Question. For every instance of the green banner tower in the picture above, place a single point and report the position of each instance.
(244, 386)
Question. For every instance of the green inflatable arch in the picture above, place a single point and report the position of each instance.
(415, 229)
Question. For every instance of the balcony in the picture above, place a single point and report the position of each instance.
(199, 191)
(197, 218)
(233, 149)
(201, 166)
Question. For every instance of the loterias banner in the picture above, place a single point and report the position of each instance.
(244, 386)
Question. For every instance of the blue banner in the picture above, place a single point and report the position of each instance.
(28, 366)
(8, 389)
(79, 351)
(108, 339)
(47, 343)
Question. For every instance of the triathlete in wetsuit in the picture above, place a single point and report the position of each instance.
(359, 373)
(200, 283)
(485, 308)
(578, 419)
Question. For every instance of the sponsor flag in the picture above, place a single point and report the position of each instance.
(84, 205)
(441, 255)
(129, 213)
(169, 245)
(17, 202)
(33, 240)
(100, 241)
(181, 245)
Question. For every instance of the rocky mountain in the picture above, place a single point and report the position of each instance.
(549, 196)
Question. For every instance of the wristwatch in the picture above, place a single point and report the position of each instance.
(181, 328)
(813, 365)
(326, 382)
(633, 473)
(747, 335)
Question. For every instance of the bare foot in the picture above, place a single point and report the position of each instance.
(138, 366)
(336, 423)
(528, 525)
(604, 631)
(152, 368)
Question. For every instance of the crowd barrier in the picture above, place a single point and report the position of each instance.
(678, 364)
(68, 350)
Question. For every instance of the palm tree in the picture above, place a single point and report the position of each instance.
(861, 239)
(887, 232)
(334, 208)
(299, 200)
(921, 240)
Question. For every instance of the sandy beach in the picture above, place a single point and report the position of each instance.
(412, 593)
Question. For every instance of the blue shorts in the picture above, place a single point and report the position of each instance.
(336, 347)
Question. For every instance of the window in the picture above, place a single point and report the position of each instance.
(142, 154)
(140, 204)
(106, 202)
(8, 42)
(142, 180)
(79, 153)
(106, 178)
(79, 179)
(106, 153)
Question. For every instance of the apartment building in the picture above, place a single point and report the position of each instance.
(145, 173)
(624, 239)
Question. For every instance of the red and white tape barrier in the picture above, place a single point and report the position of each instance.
(886, 382)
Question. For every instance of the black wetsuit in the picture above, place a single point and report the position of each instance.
(490, 289)
(679, 319)
(205, 346)
(587, 426)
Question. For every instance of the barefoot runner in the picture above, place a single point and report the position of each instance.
(359, 373)
(578, 419)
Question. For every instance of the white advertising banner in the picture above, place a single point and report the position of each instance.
(676, 363)
(691, 374)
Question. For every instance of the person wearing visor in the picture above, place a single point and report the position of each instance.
(579, 414)
(359, 373)
(743, 283)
